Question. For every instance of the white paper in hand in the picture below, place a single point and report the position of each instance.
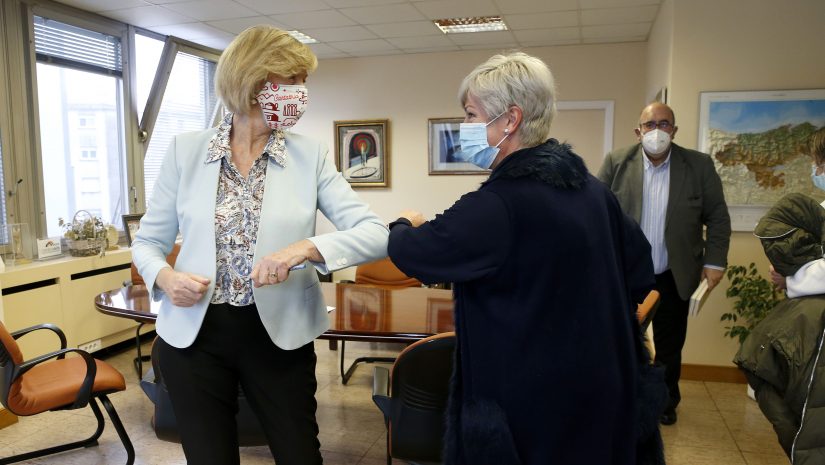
(700, 295)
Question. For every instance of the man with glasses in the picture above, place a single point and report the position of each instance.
(673, 193)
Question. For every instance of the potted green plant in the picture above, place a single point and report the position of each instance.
(85, 234)
(754, 296)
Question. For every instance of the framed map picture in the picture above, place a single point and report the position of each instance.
(759, 143)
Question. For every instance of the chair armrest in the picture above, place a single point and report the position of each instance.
(85, 392)
(381, 390)
(20, 333)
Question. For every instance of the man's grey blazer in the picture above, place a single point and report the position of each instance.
(184, 197)
(695, 201)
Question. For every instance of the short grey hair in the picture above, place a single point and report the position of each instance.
(515, 79)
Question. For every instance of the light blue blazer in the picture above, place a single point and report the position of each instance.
(183, 198)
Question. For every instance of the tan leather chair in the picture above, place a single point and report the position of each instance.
(383, 273)
(53, 382)
(644, 315)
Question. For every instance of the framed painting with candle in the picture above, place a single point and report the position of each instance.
(361, 152)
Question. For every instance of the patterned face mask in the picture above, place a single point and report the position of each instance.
(282, 104)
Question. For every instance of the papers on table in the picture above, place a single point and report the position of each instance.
(700, 295)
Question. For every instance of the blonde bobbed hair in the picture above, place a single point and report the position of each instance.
(515, 79)
(251, 57)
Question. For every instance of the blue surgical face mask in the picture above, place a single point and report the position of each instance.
(818, 179)
(474, 146)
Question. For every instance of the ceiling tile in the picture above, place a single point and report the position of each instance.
(410, 29)
(484, 38)
(216, 42)
(498, 47)
(191, 31)
(338, 34)
(609, 40)
(238, 25)
(272, 7)
(372, 45)
(439, 9)
(206, 10)
(383, 14)
(542, 20)
(353, 3)
(634, 14)
(314, 19)
(550, 35)
(535, 6)
(616, 30)
(451, 48)
(550, 43)
(326, 51)
(148, 16)
(587, 4)
(103, 5)
(421, 42)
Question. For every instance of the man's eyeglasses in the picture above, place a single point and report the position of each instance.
(664, 125)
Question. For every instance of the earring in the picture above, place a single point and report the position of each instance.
(506, 130)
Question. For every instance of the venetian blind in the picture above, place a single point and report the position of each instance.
(78, 48)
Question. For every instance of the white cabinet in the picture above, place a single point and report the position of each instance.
(62, 292)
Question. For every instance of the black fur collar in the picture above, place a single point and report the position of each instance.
(551, 163)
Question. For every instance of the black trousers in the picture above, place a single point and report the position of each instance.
(233, 348)
(669, 332)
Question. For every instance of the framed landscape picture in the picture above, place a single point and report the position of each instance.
(443, 143)
(361, 152)
(759, 144)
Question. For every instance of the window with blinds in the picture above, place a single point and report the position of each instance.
(77, 48)
(188, 105)
(80, 97)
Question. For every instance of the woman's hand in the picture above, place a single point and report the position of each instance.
(183, 289)
(777, 279)
(274, 268)
(414, 217)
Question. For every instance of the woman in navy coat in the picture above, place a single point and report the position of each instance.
(547, 271)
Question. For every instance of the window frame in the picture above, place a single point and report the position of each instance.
(21, 143)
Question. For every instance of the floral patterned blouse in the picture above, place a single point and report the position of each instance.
(237, 214)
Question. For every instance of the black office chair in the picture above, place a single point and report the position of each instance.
(413, 399)
(165, 424)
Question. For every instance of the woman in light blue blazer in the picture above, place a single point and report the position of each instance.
(234, 310)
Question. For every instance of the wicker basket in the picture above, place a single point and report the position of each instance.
(85, 247)
(90, 245)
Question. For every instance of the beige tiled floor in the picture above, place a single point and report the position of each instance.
(718, 424)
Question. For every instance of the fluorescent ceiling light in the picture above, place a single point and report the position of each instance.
(477, 24)
(302, 38)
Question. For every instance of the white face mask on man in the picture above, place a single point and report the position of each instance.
(655, 142)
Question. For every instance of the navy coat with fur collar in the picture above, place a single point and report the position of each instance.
(546, 271)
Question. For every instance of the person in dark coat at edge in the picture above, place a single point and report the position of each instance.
(547, 273)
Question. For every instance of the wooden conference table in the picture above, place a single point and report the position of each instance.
(361, 313)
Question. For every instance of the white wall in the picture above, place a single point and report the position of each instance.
(728, 46)
(409, 89)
